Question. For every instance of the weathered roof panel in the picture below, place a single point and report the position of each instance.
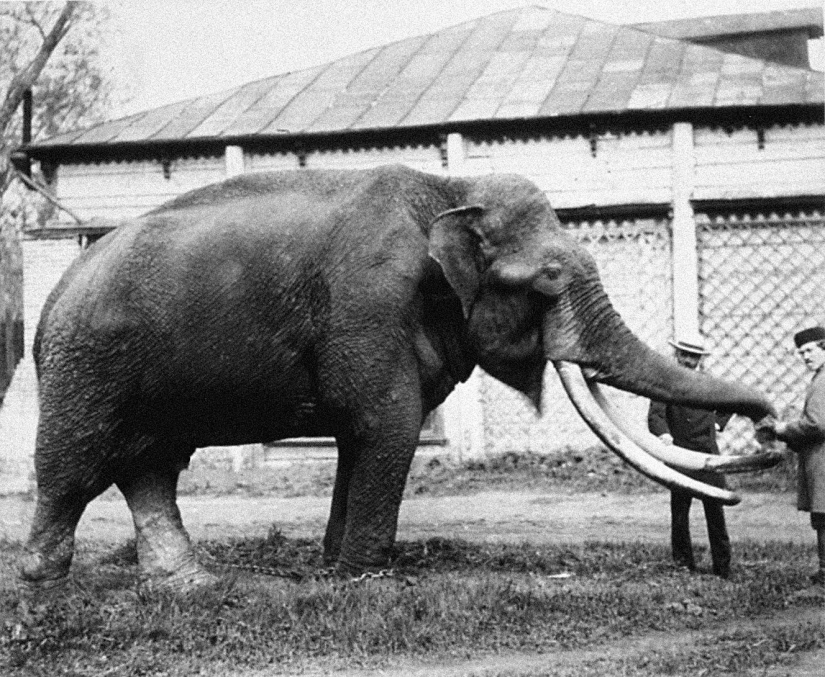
(367, 87)
(664, 57)
(106, 132)
(414, 80)
(308, 104)
(231, 109)
(194, 114)
(268, 107)
(530, 62)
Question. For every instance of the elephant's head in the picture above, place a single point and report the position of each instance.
(531, 294)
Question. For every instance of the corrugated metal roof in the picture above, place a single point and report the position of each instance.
(531, 62)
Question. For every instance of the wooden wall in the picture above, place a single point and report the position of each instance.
(609, 169)
(613, 169)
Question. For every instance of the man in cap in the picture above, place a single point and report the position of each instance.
(806, 437)
(693, 429)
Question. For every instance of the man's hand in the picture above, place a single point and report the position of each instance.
(769, 429)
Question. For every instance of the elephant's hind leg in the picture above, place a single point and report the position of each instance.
(67, 479)
(165, 553)
(50, 547)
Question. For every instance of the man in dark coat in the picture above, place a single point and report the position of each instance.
(693, 429)
(806, 437)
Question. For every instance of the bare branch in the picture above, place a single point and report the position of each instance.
(35, 20)
(25, 78)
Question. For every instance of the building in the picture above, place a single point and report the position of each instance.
(695, 175)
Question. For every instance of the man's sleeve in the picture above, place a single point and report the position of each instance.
(657, 418)
(810, 427)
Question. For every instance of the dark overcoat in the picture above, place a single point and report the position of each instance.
(806, 436)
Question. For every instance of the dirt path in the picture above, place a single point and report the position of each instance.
(488, 516)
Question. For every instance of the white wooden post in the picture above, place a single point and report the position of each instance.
(456, 154)
(462, 411)
(685, 256)
(234, 161)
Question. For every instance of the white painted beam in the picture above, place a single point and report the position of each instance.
(685, 257)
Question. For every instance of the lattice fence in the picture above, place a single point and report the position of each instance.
(761, 279)
(633, 256)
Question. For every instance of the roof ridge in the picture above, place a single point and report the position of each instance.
(714, 18)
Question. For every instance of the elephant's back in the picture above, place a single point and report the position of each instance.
(80, 289)
(319, 185)
(221, 254)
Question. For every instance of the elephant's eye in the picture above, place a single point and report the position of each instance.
(549, 283)
(552, 273)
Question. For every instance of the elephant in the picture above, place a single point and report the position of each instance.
(311, 302)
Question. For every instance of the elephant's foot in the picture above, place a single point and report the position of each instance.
(188, 578)
(30, 586)
(165, 554)
(48, 554)
(167, 560)
(362, 566)
(330, 557)
(38, 570)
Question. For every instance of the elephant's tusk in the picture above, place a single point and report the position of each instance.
(677, 457)
(574, 383)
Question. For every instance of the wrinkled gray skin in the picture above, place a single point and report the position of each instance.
(310, 303)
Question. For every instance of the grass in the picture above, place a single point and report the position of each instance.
(449, 595)
(569, 470)
(502, 600)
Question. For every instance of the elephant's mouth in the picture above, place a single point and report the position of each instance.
(645, 452)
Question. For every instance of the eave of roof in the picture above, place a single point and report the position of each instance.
(526, 65)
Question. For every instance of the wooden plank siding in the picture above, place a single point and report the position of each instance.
(623, 169)
(423, 158)
(731, 164)
(125, 189)
(574, 171)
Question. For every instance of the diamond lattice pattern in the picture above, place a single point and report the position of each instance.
(761, 279)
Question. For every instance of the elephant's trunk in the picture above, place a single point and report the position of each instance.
(600, 343)
(610, 353)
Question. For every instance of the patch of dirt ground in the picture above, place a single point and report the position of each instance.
(538, 517)
(490, 516)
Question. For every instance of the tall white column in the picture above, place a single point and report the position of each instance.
(463, 413)
(685, 256)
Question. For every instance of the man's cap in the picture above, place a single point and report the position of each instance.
(807, 335)
(690, 344)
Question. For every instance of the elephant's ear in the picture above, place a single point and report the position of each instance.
(454, 244)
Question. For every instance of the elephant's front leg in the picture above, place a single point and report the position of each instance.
(380, 459)
(334, 536)
(164, 551)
